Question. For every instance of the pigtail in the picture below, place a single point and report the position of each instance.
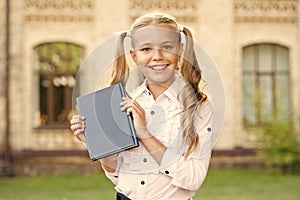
(193, 97)
(120, 66)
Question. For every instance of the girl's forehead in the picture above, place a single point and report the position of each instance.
(154, 34)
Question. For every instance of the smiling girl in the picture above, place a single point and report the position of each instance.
(172, 117)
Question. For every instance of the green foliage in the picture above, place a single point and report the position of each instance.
(58, 57)
(280, 146)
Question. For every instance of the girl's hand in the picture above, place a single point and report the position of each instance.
(152, 144)
(138, 114)
(77, 126)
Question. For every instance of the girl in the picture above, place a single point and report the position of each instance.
(172, 117)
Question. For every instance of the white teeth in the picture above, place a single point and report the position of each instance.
(158, 67)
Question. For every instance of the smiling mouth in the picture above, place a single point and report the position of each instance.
(158, 67)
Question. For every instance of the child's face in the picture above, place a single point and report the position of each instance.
(157, 52)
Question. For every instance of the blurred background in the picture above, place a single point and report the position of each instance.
(254, 44)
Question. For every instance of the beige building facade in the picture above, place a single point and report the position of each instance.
(254, 44)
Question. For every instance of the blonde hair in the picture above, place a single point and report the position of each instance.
(189, 69)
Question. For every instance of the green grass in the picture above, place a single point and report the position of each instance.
(94, 186)
(249, 185)
(219, 185)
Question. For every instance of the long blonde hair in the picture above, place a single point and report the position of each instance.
(189, 69)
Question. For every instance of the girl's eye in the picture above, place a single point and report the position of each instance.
(146, 49)
(167, 47)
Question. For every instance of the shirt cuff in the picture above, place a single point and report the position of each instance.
(169, 162)
(113, 176)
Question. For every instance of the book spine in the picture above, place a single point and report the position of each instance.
(123, 93)
(122, 90)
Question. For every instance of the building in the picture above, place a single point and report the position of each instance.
(254, 44)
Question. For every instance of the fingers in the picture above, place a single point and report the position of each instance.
(135, 109)
(126, 103)
(81, 137)
(77, 126)
(77, 119)
(130, 105)
(78, 131)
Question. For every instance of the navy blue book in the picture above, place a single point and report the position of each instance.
(108, 130)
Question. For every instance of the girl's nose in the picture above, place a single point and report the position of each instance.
(157, 54)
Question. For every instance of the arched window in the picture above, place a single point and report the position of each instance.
(57, 65)
(266, 84)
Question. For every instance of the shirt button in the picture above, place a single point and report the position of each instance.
(145, 159)
(142, 182)
(209, 129)
(152, 112)
(167, 172)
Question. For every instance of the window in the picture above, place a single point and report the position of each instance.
(57, 64)
(266, 87)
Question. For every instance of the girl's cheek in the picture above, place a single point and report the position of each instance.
(142, 60)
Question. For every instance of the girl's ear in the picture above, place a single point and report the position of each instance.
(133, 56)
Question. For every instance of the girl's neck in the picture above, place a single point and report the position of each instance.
(157, 89)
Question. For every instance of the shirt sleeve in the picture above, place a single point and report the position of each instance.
(190, 173)
(114, 176)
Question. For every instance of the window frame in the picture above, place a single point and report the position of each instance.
(274, 73)
(53, 123)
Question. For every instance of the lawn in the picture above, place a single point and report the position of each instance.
(220, 185)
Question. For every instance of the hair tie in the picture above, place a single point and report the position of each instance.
(180, 28)
(128, 33)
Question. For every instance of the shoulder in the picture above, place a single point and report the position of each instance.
(205, 109)
(203, 118)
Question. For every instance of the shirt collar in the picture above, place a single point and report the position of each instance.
(139, 90)
(172, 92)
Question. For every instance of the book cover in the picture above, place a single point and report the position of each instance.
(108, 130)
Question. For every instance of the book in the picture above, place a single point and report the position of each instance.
(108, 130)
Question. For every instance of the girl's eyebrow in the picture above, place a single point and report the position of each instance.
(165, 42)
(144, 44)
(147, 44)
(168, 42)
